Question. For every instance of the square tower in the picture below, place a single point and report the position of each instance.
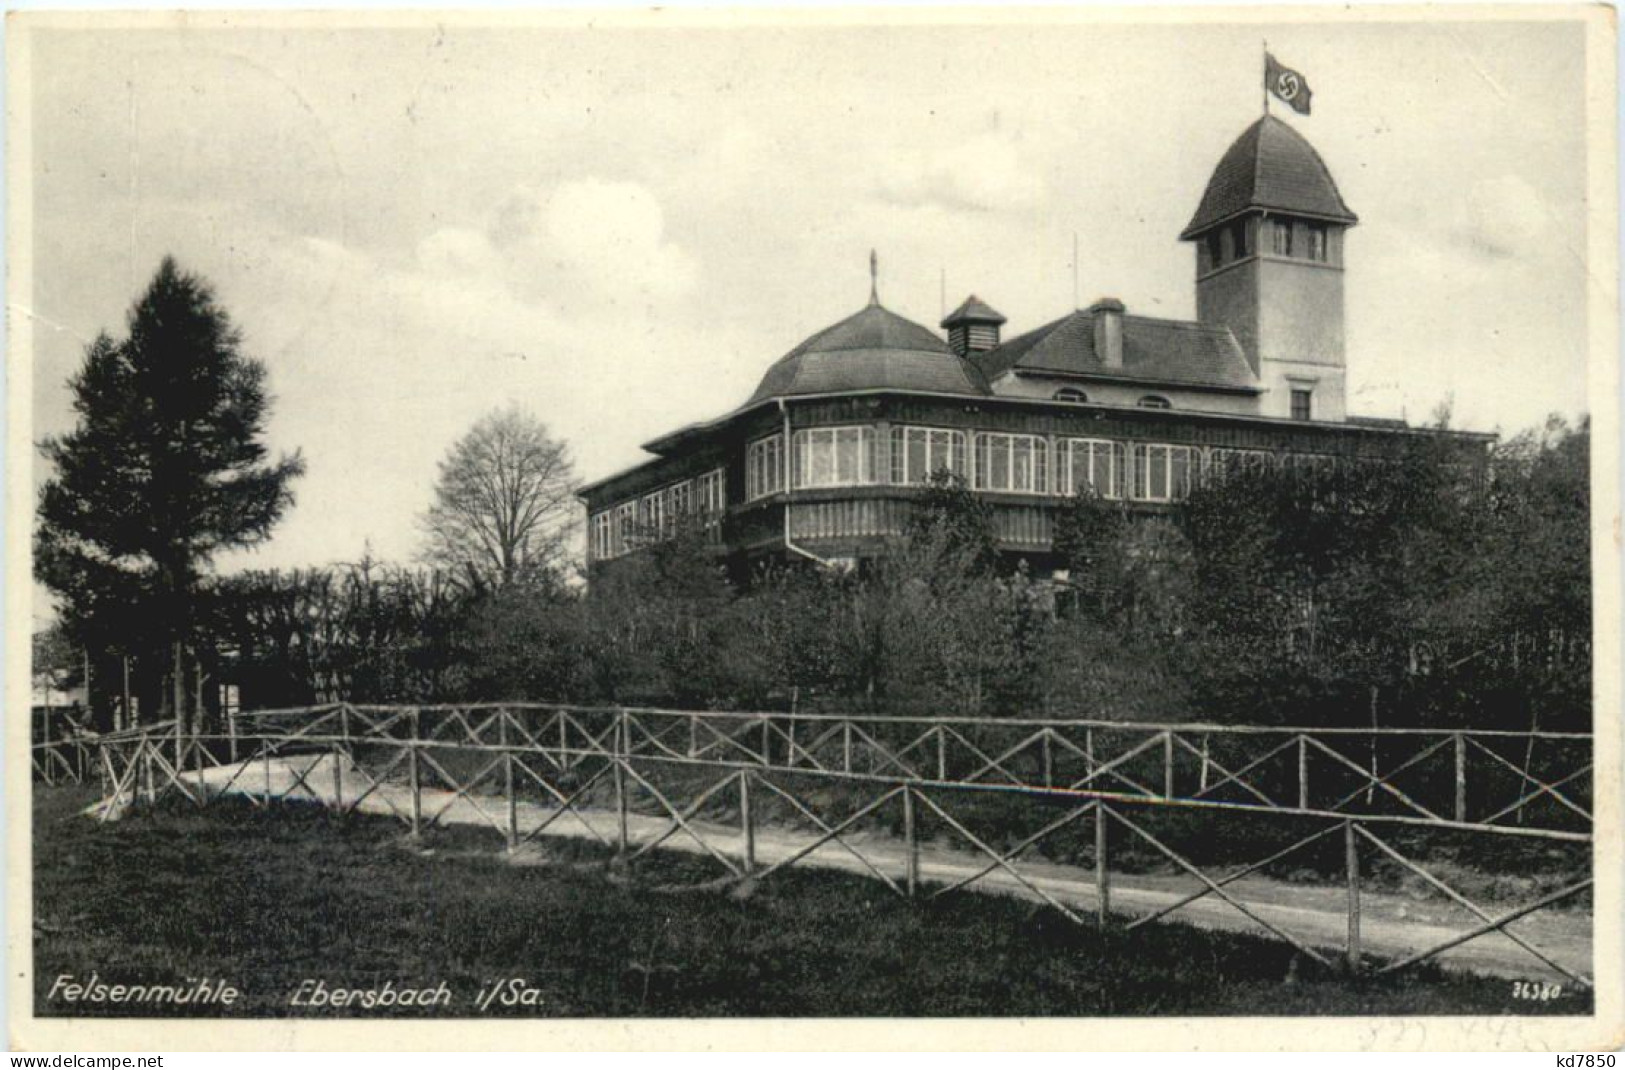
(1269, 266)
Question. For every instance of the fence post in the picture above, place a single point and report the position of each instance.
(1303, 772)
(846, 746)
(416, 776)
(912, 843)
(231, 733)
(942, 753)
(618, 751)
(507, 780)
(1352, 854)
(1103, 879)
(1461, 777)
(747, 822)
(265, 760)
(146, 745)
(338, 755)
(1049, 761)
(45, 751)
(1168, 765)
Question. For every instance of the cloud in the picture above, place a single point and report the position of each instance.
(986, 172)
(577, 248)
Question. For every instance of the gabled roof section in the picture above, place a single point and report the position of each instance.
(874, 349)
(1270, 166)
(1172, 352)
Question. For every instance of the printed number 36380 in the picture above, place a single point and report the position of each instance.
(1540, 990)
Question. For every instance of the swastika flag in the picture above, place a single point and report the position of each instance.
(1287, 84)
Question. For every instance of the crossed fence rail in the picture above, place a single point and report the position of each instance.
(67, 759)
(1357, 784)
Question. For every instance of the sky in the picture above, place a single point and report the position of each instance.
(619, 229)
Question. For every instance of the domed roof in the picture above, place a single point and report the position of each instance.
(873, 350)
(1270, 166)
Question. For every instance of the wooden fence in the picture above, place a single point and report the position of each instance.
(1358, 785)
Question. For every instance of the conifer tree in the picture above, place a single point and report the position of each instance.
(164, 469)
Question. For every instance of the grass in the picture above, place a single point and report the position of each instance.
(267, 899)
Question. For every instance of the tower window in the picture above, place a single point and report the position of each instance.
(1317, 243)
(1072, 394)
(1281, 238)
(1301, 404)
(1215, 249)
(1238, 238)
(1155, 401)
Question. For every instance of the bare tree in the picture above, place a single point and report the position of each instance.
(504, 505)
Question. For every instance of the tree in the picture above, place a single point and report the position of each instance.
(58, 664)
(164, 469)
(504, 504)
(953, 528)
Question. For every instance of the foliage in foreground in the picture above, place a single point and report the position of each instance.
(1413, 592)
(268, 899)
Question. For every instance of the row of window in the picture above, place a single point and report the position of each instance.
(1307, 242)
(656, 515)
(1075, 396)
(1302, 401)
(991, 461)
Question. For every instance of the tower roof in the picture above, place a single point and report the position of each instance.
(974, 310)
(875, 349)
(1270, 166)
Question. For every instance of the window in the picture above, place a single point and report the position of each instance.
(1162, 473)
(1317, 242)
(679, 503)
(710, 494)
(1281, 238)
(1017, 463)
(917, 452)
(1222, 463)
(1089, 464)
(625, 535)
(1215, 249)
(652, 515)
(603, 533)
(1301, 403)
(1155, 401)
(834, 457)
(764, 467)
(1238, 238)
(1072, 394)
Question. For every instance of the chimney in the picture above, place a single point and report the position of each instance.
(973, 327)
(1108, 316)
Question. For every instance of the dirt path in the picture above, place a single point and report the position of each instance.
(1392, 925)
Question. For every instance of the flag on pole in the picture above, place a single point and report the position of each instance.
(1287, 84)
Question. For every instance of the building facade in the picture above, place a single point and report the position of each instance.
(826, 458)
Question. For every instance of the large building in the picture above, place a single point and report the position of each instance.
(826, 458)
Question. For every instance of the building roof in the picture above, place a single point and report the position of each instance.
(974, 310)
(1270, 166)
(873, 350)
(1173, 352)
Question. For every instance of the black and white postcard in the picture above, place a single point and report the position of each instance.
(616, 527)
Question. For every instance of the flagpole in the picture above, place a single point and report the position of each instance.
(1266, 79)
